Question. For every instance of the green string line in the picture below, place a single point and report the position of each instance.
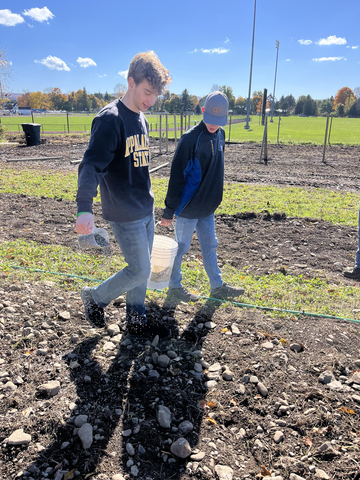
(236, 304)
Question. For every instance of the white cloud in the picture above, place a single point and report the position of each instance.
(227, 40)
(355, 47)
(39, 14)
(332, 40)
(54, 63)
(86, 62)
(305, 42)
(123, 73)
(10, 19)
(215, 50)
(103, 75)
(288, 59)
(328, 59)
(211, 50)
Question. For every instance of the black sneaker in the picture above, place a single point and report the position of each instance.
(94, 314)
(226, 291)
(183, 294)
(146, 330)
(355, 274)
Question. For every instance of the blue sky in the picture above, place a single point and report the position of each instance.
(89, 44)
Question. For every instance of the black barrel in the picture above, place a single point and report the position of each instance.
(32, 133)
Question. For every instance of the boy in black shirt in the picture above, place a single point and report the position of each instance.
(117, 159)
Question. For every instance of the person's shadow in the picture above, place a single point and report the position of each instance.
(121, 402)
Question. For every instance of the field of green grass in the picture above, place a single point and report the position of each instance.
(72, 269)
(298, 130)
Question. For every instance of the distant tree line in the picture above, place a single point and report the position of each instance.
(78, 101)
(345, 103)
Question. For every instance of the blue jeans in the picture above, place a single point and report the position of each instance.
(205, 228)
(135, 240)
(357, 256)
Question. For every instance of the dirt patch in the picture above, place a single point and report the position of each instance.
(286, 393)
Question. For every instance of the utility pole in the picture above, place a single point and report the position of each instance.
(273, 100)
(251, 63)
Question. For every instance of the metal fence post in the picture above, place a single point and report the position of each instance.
(229, 128)
(160, 136)
(167, 133)
(175, 131)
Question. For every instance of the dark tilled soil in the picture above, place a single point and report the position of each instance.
(112, 385)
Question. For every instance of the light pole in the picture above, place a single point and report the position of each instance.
(273, 100)
(251, 63)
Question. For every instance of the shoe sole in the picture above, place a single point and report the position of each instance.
(223, 297)
(84, 301)
(187, 300)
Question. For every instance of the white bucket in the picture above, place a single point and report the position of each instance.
(162, 260)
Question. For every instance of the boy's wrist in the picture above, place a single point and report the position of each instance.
(80, 213)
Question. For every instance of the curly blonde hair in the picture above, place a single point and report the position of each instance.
(147, 66)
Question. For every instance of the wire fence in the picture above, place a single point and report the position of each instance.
(171, 126)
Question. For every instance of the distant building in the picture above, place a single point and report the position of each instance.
(24, 110)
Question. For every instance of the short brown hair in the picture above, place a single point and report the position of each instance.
(147, 66)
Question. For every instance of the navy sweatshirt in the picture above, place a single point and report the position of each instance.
(196, 183)
(117, 159)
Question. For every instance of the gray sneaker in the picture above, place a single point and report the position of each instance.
(183, 294)
(94, 314)
(226, 291)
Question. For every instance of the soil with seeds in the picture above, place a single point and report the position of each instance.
(250, 394)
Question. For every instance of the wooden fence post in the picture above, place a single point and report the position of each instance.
(325, 141)
(330, 130)
(175, 131)
(181, 123)
(229, 128)
(67, 118)
(278, 130)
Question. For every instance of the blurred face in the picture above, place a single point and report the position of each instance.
(212, 128)
(142, 96)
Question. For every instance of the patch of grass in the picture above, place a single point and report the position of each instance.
(293, 129)
(334, 207)
(63, 266)
(58, 263)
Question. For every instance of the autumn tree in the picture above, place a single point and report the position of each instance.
(256, 101)
(24, 100)
(240, 105)
(342, 95)
(58, 100)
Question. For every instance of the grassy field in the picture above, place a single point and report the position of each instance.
(334, 207)
(298, 130)
(72, 269)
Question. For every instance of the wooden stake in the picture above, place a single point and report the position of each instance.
(326, 131)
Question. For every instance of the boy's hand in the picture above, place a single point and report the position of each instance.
(165, 222)
(85, 223)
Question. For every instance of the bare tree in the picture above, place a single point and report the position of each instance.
(5, 72)
(119, 90)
